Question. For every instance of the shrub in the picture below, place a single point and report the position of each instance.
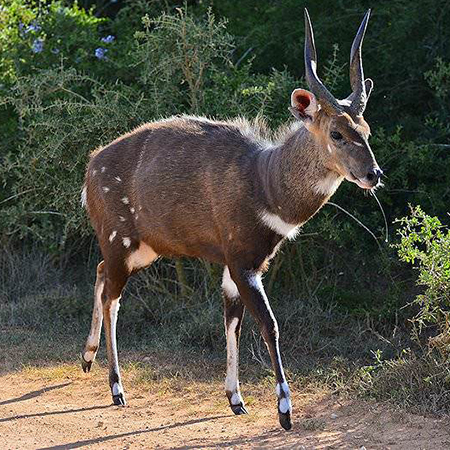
(425, 243)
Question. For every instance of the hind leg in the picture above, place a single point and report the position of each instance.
(233, 314)
(93, 340)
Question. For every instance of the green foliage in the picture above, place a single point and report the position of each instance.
(39, 36)
(62, 116)
(177, 54)
(425, 243)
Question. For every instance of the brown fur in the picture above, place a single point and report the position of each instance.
(193, 183)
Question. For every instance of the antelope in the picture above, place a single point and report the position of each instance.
(225, 192)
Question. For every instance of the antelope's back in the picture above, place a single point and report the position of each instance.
(177, 185)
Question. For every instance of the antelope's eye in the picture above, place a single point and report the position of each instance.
(336, 135)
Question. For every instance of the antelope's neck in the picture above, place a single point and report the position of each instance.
(294, 180)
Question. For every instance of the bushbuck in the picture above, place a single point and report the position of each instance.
(225, 192)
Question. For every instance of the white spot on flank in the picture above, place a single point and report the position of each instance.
(103, 169)
(83, 197)
(327, 186)
(228, 285)
(126, 241)
(122, 219)
(105, 189)
(94, 172)
(125, 200)
(142, 257)
(118, 179)
(132, 210)
(136, 216)
(112, 236)
(277, 224)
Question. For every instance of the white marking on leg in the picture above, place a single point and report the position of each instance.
(228, 285)
(83, 197)
(126, 241)
(284, 396)
(112, 236)
(285, 405)
(93, 339)
(231, 380)
(125, 200)
(142, 257)
(277, 224)
(113, 312)
(236, 399)
(256, 282)
(283, 387)
(89, 356)
(105, 189)
(117, 389)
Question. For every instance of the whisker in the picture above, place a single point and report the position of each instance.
(384, 216)
(357, 221)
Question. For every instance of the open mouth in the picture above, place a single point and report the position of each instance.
(351, 177)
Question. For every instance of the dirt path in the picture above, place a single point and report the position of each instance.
(60, 408)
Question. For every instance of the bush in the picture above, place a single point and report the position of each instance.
(425, 243)
(60, 113)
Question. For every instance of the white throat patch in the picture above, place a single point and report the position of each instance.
(327, 186)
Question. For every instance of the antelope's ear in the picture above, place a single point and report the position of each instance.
(303, 105)
(369, 86)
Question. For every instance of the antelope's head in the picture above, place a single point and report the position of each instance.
(339, 125)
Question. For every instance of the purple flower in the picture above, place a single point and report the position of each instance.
(21, 29)
(108, 39)
(33, 27)
(100, 53)
(37, 46)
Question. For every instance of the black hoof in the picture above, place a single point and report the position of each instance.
(285, 420)
(238, 409)
(85, 365)
(119, 400)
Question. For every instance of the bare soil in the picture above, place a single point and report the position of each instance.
(61, 408)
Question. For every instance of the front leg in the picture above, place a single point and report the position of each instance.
(255, 300)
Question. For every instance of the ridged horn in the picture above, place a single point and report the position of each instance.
(359, 96)
(323, 95)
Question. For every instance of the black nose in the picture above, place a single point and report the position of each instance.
(374, 174)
